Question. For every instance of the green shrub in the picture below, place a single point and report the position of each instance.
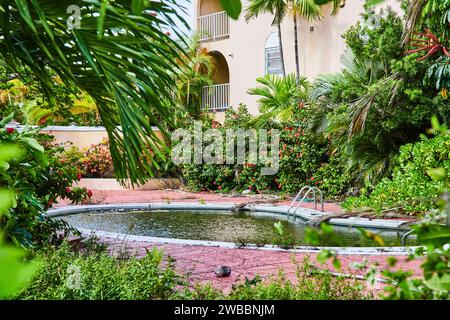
(102, 277)
(301, 155)
(412, 187)
(333, 177)
(38, 178)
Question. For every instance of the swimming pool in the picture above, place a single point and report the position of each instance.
(222, 226)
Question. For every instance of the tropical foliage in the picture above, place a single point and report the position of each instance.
(120, 55)
(416, 182)
(379, 102)
(37, 178)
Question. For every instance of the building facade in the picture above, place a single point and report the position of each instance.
(245, 51)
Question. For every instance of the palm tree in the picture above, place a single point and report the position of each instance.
(279, 96)
(196, 72)
(279, 9)
(306, 9)
(121, 55)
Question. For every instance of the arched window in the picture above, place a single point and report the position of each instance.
(273, 55)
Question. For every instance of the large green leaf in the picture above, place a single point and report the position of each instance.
(437, 235)
(439, 283)
(232, 7)
(33, 143)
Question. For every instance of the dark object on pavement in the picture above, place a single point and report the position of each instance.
(223, 271)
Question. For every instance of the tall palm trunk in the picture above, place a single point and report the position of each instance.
(283, 67)
(297, 61)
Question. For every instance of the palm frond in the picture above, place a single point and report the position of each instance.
(306, 9)
(278, 96)
(121, 56)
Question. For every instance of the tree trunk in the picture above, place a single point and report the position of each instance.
(297, 61)
(281, 49)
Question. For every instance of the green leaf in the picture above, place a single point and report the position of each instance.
(6, 120)
(137, 6)
(6, 202)
(101, 20)
(372, 3)
(437, 235)
(232, 7)
(439, 283)
(437, 174)
(14, 275)
(33, 144)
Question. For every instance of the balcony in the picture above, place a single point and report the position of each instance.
(216, 98)
(214, 26)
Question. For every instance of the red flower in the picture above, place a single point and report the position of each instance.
(312, 179)
(250, 188)
(50, 202)
(89, 193)
(219, 187)
(10, 130)
(78, 176)
(68, 190)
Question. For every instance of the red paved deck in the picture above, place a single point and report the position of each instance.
(198, 263)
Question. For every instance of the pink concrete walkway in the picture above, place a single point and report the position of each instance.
(199, 263)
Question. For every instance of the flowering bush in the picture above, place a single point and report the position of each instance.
(97, 161)
(301, 155)
(38, 178)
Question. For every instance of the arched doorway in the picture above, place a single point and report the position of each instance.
(217, 96)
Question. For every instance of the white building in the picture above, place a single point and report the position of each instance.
(245, 51)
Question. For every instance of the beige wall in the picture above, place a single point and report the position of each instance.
(81, 137)
(320, 50)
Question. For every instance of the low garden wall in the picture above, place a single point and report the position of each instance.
(113, 185)
(81, 137)
(84, 138)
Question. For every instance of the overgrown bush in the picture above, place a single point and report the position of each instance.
(413, 187)
(97, 162)
(301, 155)
(38, 179)
(102, 277)
(378, 102)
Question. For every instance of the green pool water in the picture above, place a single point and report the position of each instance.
(241, 228)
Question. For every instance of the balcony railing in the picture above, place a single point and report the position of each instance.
(213, 26)
(216, 98)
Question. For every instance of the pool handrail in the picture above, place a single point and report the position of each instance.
(309, 190)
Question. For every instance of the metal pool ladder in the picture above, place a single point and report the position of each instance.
(308, 190)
